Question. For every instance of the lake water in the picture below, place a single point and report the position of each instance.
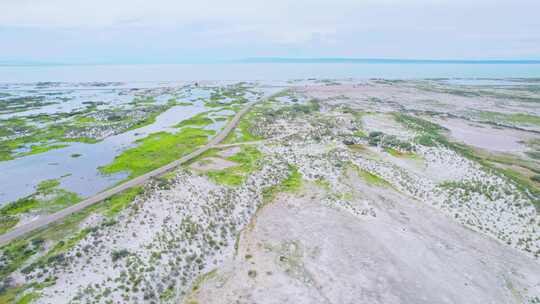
(263, 71)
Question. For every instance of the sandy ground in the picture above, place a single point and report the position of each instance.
(485, 136)
(377, 122)
(229, 152)
(212, 164)
(299, 250)
(381, 96)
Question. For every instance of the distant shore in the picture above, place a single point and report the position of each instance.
(267, 71)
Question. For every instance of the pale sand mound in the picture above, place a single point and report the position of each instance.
(229, 152)
(485, 136)
(299, 250)
(212, 164)
(378, 122)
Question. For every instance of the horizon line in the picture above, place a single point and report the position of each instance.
(386, 60)
(285, 60)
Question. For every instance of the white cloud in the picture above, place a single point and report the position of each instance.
(422, 28)
(99, 13)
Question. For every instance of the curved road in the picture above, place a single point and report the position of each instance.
(45, 220)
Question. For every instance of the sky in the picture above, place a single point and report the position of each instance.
(169, 31)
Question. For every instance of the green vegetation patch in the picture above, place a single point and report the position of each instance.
(47, 186)
(247, 159)
(389, 142)
(226, 178)
(360, 133)
(514, 118)
(223, 118)
(7, 222)
(293, 183)
(199, 120)
(429, 133)
(401, 154)
(21, 205)
(48, 198)
(169, 294)
(120, 201)
(148, 120)
(37, 149)
(228, 95)
(371, 178)
(203, 278)
(297, 109)
(393, 152)
(244, 130)
(245, 127)
(20, 104)
(323, 183)
(29, 298)
(156, 150)
(16, 134)
(143, 100)
(85, 120)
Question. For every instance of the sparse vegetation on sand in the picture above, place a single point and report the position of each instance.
(60, 237)
(431, 134)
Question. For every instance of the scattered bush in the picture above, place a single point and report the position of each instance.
(118, 254)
